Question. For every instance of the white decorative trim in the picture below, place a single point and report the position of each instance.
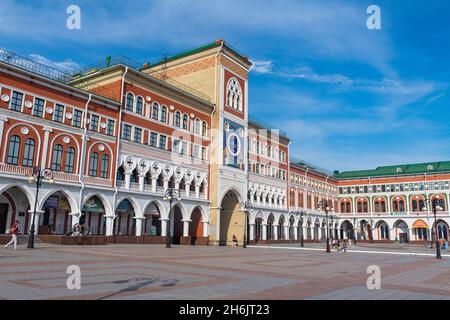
(101, 147)
(69, 116)
(66, 140)
(5, 97)
(49, 110)
(28, 104)
(25, 130)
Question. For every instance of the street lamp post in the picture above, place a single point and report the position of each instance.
(355, 230)
(37, 177)
(246, 205)
(303, 230)
(169, 195)
(326, 205)
(435, 207)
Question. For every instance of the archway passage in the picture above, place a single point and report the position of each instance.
(56, 218)
(124, 224)
(92, 214)
(258, 228)
(401, 231)
(382, 230)
(196, 226)
(176, 222)
(14, 205)
(442, 230)
(231, 220)
(152, 226)
(347, 231)
(270, 221)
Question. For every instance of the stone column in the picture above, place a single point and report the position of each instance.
(264, 232)
(127, 180)
(251, 235)
(407, 203)
(141, 183)
(286, 233)
(164, 226)
(275, 231)
(205, 228)
(37, 218)
(154, 183)
(187, 187)
(295, 232)
(109, 225)
(391, 234)
(448, 203)
(166, 184)
(139, 221)
(186, 228)
(197, 191)
(75, 218)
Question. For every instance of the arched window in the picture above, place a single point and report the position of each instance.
(104, 167)
(28, 154)
(70, 159)
(380, 205)
(234, 94)
(177, 119)
(130, 102)
(204, 128)
(93, 163)
(14, 148)
(57, 157)
(164, 114)
(139, 105)
(185, 122)
(155, 111)
(197, 126)
(414, 206)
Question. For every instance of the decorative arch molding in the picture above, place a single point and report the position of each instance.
(8, 136)
(106, 203)
(70, 197)
(135, 204)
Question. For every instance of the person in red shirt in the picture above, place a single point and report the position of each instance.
(14, 232)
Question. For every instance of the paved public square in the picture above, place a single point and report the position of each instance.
(184, 272)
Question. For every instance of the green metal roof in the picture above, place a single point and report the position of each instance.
(397, 170)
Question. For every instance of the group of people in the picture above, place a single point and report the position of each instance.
(341, 245)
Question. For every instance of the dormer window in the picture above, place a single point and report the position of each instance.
(234, 94)
(430, 168)
(399, 170)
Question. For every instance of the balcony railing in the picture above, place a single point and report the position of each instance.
(98, 181)
(15, 170)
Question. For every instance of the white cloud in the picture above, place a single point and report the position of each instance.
(262, 66)
(66, 65)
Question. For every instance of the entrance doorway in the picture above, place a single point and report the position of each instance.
(231, 220)
(3, 217)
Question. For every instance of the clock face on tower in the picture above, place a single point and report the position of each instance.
(233, 145)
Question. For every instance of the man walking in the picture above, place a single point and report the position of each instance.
(14, 232)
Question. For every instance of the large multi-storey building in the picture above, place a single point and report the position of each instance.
(117, 135)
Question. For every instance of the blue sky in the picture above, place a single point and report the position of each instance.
(349, 97)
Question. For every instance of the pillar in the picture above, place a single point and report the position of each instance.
(2, 124)
(391, 234)
(186, 228)
(164, 226)
(127, 180)
(205, 228)
(275, 232)
(448, 203)
(286, 233)
(75, 217)
(187, 187)
(109, 225)
(141, 183)
(264, 231)
(37, 218)
(197, 191)
(295, 232)
(251, 235)
(139, 221)
(410, 234)
(166, 184)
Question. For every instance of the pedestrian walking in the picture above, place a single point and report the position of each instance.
(344, 246)
(235, 242)
(14, 232)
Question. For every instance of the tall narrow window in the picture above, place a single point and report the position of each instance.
(155, 111)
(93, 164)
(110, 127)
(153, 139)
(38, 109)
(162, 142)
(197, 126)
(104, 167)
(137, 135)
(76, 121)
(130, 102)
(204, 128)
(94, 123)
(234, 95)
(185, 122)
(126, 132)
(57, 157)
(139, 105)
(14, 148)
(177, 119)
(16, 101)
(164, 114)
(28, 154)
(70, 159)
(58, 115)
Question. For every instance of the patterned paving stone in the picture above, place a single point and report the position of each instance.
(154, 272)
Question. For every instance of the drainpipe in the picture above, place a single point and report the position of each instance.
(82, 157)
